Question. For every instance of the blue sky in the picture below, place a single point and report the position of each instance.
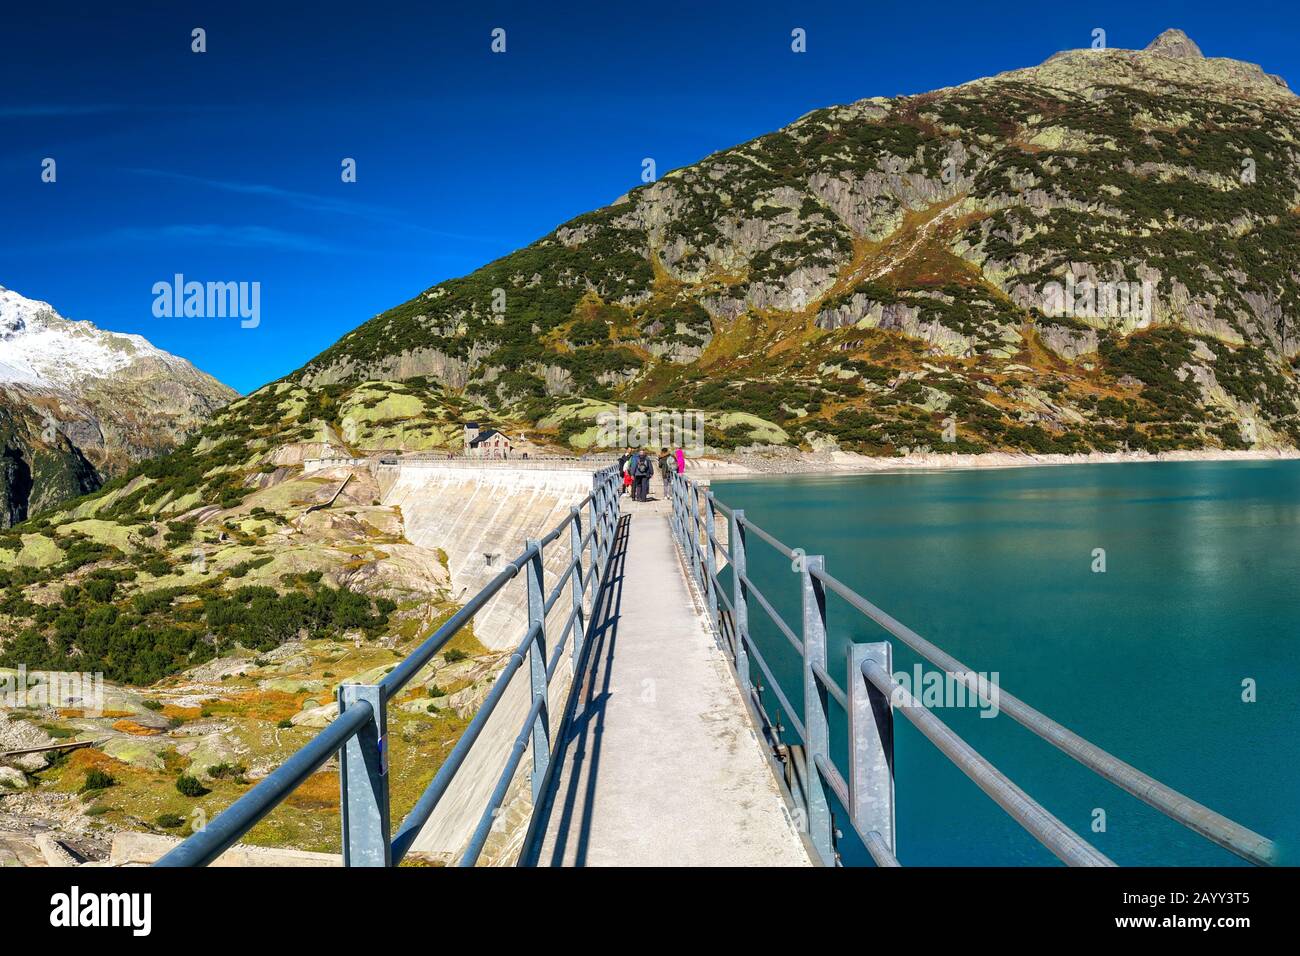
(225, 166)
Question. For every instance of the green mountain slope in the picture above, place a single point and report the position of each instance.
(875, 274)
(874, 269)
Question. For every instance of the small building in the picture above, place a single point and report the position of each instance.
(485, 442)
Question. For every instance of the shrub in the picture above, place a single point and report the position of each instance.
(188, 786)
(169, 821)
(153, 704)
(454, 655)
(97, 780)
(222, 770)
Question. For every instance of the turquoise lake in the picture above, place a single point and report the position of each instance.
(1201, 591)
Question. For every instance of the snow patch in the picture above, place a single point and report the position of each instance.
(38, 347)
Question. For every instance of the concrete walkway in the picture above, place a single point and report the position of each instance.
(661, 765)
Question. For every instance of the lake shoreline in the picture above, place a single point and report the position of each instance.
(785, 462)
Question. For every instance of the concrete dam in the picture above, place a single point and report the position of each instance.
(479, 514)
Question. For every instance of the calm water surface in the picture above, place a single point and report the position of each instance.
(1201, 591)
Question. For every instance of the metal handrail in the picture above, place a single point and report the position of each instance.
(763, 602)
(1047, 829)
(358, 734)
(774, 684)
(240, 817)
(871, 698)
(1211, 825)
(872, 840)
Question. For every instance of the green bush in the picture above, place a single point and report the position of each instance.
(188, 786)
(222, 771)
(97, 780)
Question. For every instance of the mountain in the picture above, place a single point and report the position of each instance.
(78, 403)
(875, 269)
(883, 275)
(1094, 253)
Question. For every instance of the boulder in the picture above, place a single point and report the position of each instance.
(12, 779)
(137, 751)
(222, 667)
(291, 685)
(210, 751)
(467, 702)
(315, 717)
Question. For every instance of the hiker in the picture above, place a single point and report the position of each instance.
(623, 460)
(681, 460)
(642, 469)
(667, 468)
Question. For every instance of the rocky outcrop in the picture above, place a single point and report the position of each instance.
(79, 404)
(1069, 343)
(39, 467)
(943, 219)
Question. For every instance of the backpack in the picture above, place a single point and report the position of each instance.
(642, 466)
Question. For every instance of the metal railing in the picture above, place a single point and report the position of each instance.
(359, 733)
(870, 698)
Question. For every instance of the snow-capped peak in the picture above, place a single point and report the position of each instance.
(40, 348)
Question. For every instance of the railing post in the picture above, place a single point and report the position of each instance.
(593, 545)
(694, 531)
(871, 745)
(598, 526)
(612, 508)
(537, 667)
(672, 507)
(814, 706)
(711, 562)
(576, 585)
(363, 781)
(682, 515)
(739, 598)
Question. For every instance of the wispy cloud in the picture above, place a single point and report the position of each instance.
(213, 235)
(312, 202)
(58, 109)
(238, 237)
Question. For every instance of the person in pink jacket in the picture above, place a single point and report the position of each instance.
(681, 460)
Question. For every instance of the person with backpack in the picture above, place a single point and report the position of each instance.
(625, 470)
(667, 468)
(641, 472)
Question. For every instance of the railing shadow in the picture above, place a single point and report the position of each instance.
(582, 731)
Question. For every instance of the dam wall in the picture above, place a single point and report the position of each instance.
(480, 517)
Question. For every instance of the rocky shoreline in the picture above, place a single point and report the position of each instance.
(778, 461)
